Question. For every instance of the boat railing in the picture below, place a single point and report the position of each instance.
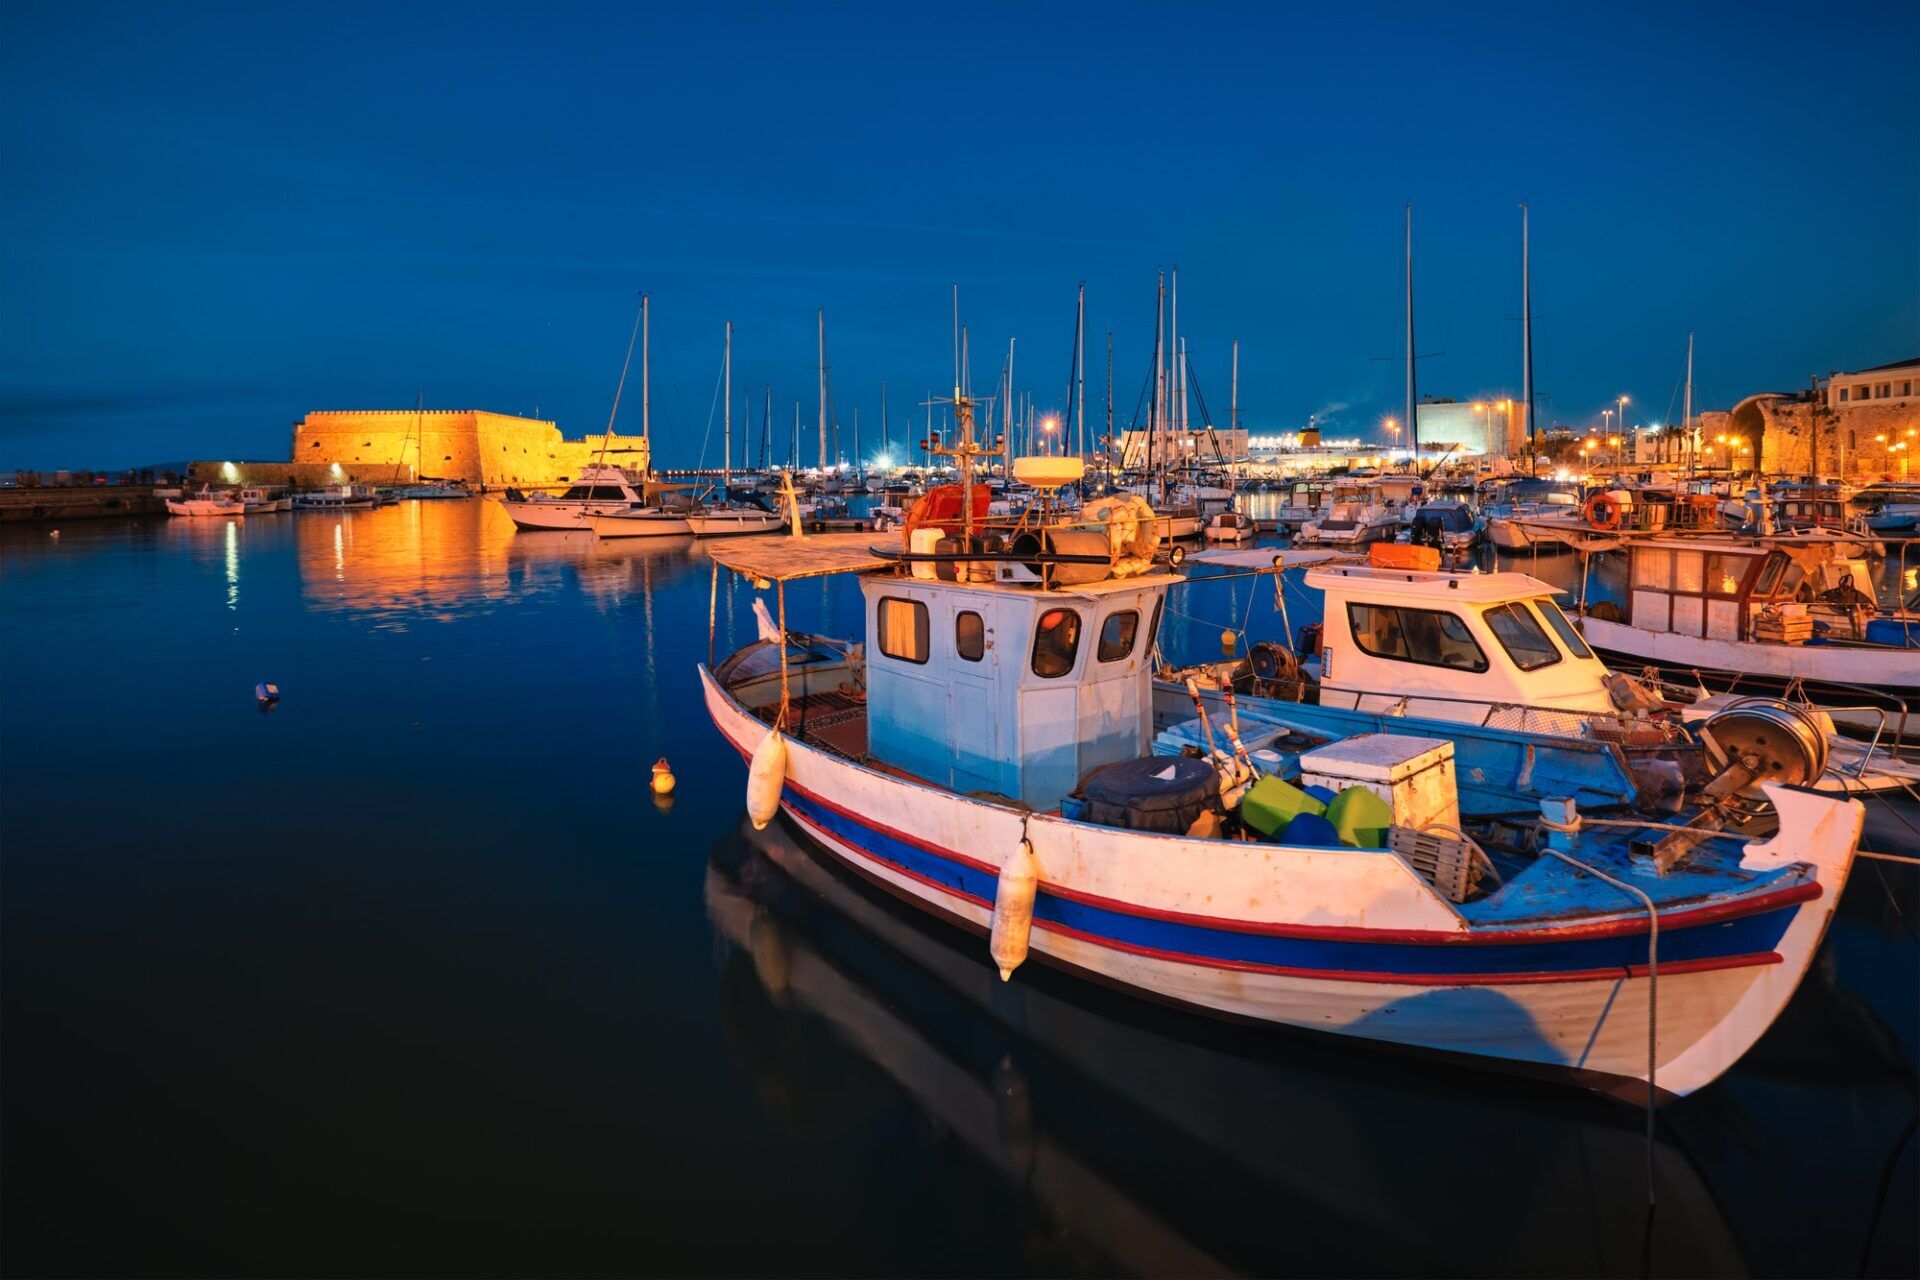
(1602, 727)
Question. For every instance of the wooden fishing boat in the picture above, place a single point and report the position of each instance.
(947, 760)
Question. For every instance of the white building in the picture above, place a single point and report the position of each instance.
(1891, 383)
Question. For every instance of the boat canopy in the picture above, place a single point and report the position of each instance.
(815, 556)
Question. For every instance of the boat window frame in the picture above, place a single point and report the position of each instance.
(1518, 609)
(1561, 625)
(1040, 630)
(1153, 624)
(980, 639)
(1354, 630)
(922, 629)
(1132, 638)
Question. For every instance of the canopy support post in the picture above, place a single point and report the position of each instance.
(780, 591)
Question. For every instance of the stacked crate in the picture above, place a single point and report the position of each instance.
(1783, 624)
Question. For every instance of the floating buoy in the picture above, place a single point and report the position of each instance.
(1227, 641)
(765, 778)
(662, 778)
(53, 533)
(1013, 909)
(266, 693)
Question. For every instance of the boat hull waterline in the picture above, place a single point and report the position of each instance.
(1572, 997)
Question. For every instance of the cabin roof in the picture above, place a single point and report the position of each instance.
(1270, 557)
(1431, 587)
(781, 559)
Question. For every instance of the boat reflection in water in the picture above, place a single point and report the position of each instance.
(1176, 1145)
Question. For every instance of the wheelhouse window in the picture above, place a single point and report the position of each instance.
(1431, 637)
(1117, 634)
(903, 629)
(969, 635)
(1056, 643)
(1514, 627)
(1563, 628)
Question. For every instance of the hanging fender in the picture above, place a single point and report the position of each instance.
(766, 777)
(1013, 909)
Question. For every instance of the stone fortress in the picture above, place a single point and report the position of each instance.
(398, 446)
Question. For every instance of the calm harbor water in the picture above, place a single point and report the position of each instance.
(413, 976)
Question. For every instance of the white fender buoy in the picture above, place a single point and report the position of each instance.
(765, 778)
(1013, 909)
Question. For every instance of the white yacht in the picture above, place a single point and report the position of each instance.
(206, 503)
(1353, 517)
(260, 502)
(335, 497)
(596, 491)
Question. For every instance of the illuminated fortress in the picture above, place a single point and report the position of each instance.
(398, 446)
(490, 449)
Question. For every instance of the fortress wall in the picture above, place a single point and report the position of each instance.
(489, 449)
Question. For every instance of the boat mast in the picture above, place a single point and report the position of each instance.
(1526, 342)
(1233, 416)
(726, 429)
(606, 441)
(766, 431)
(823, 391)
(1080, 364)
(1413, 423)
(1156, 421)
(646, 382)
(886, 437)
(1109, 448)
(793, 445)
(1686, 410)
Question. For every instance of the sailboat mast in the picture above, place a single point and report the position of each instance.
(1080, 364)
(1686, 411)
(1156, 423)
(823, 391)
(726, 437)
(1413, 423)
(1109, 449)
(1526, 342)
(646, 383)
(766, 431)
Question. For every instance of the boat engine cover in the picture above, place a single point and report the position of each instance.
(1157, 793)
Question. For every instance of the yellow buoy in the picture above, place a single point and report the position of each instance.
(1227, 641)
(1013, 909)
(766, 776)
(662, 778)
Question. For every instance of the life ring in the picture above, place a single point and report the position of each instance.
(1603, 511)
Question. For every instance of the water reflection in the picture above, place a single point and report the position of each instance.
(1175, 1145)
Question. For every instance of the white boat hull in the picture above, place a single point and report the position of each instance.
(537, 516)
(937, 849)
(723, 524)
(646, 525)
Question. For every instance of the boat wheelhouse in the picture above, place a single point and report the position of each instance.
(1762, 614)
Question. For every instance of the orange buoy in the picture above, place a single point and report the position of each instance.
(1394, 555)
(662, 778)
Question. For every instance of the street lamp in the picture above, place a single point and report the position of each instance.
(1049, 424)
(1623, 415)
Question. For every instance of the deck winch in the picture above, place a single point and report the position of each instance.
(1751, 742)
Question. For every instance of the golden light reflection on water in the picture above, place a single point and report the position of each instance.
(435, 561)
(233, 564)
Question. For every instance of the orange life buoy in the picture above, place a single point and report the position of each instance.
(1603, 511)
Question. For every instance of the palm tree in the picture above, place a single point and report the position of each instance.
(1671, 435)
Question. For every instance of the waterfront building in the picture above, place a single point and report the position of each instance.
(380, 446)
(1868, 425)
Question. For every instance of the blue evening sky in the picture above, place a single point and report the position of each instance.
(215, 218)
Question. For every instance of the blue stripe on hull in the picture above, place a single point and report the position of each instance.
(1745, 935)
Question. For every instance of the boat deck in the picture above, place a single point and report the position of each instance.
(832, 720)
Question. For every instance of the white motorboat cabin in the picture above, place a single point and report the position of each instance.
(1465, 639)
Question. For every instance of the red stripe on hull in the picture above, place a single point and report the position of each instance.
(1321, 975)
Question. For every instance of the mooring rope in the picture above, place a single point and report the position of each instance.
(1653, 978)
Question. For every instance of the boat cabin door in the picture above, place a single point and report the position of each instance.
(973, 698)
